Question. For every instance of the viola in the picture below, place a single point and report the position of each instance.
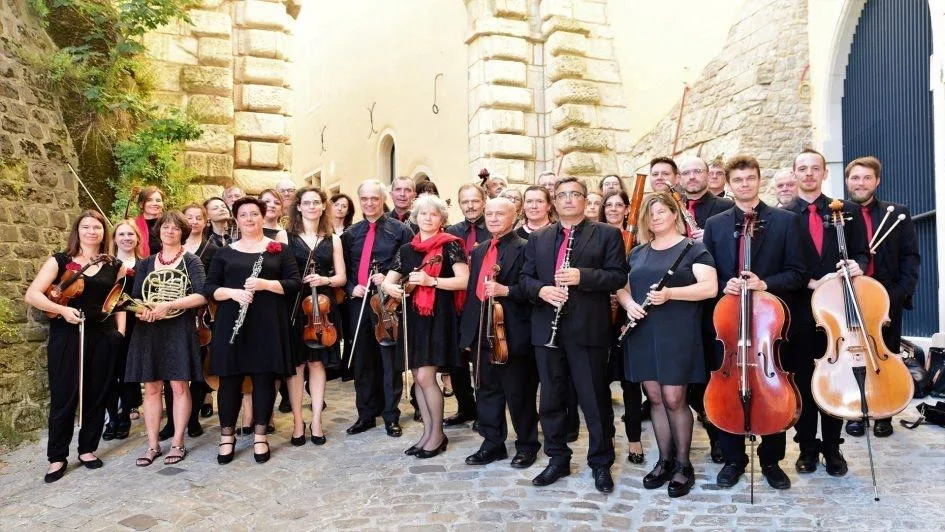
(386, 324)
(319, 331)
(205, 317)
(495, 327)
(72, 284)
(750, 393)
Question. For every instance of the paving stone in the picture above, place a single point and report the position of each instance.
(139, 522)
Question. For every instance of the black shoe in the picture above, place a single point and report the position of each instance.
(393, 429)
(807, 461)
(423, 454)
(730, 473)
(459, 419)
(416, 415)
(834, 462)
(635, 458)
(166, 433)
(270, 429)
(94, 463)
(361, 425)
(49, 478)
(223, 459)
(855, 428)
(300, 441)
(487, 456)
(716, 453)
(109, 433)
(882, 428)
(412, 450)
(653, 480)
(603, 481)
(261, 458)
(284, 406)
(194, 430)
(551, 474)
(572, 437)
(206, 410)
(678, 489)
(523, 460)
(776, 476)
(122, 428)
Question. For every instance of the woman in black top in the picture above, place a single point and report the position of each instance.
(431, 311)
(537, 210)
(150, 208)
(272, 218)
(251, 280)
(314, 246)
(88, 240)
(221, 228)
(342, 212)
(201, 246)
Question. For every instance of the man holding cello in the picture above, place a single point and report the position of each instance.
(777, 268)
(502, 354)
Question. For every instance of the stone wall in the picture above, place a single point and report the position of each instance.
(231, 67)
(38, 201)
(752, 98)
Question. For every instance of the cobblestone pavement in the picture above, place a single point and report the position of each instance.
(366, 482)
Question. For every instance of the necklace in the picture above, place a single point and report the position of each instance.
(160, 257)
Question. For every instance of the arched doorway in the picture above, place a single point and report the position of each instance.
(386, 158)
(886, 111)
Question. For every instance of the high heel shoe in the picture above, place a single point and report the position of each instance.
(636, 458)
(261, 458)
(424, 454)
(317, 440)
(300, 441)
(223, 459)
(412, 450)
(666, 468)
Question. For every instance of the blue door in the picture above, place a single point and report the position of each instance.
(887, 112)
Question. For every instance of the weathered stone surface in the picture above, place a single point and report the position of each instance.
(499, 47)
(564, 42)
(497, 121)
(517, 9)
(583, 139)
(171, 48)
(570, 115)
(264, 43)
(504, 145)
(211, 23)
(265, 154)
(263, 71)
(215, 139)
(253, 181)
(498, 71)
(263, 98)
(574, 91)
(567, 66)
(211, 109)
(502, 97)
(262, 14)
(215, 52)
(263, 126)
(580, 163)
(207, 80)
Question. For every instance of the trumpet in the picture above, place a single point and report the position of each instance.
(566, 263)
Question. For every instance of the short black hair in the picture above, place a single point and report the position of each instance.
(665, 160)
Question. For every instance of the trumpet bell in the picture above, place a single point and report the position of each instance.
(118, 301)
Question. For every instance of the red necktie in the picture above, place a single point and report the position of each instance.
(492, 256)
(563, 248)
(816, 228)
(869, 236)
(691, 207)
(470, 238)
(364, 266)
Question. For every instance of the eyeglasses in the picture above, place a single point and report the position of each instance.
(694, 171)
(314, 203)
(615, 205)
(574, 194)
(285, 190)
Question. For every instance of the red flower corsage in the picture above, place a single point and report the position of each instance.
(129, 272)
(73, 266)
(274, 247)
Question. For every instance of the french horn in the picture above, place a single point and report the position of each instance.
(160, 286)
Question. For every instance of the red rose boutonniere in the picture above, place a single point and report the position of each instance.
(274, 247)
(73, 266)
(129, 272)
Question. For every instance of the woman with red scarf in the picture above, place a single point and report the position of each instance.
(435, 262)
(150, 208)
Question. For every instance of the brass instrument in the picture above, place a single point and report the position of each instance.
(160, 286)
(566, 263)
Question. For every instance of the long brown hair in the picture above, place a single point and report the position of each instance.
(74, 248)
(324, 226)
(644, 233)
(145, 194)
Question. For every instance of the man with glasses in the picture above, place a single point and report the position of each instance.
(596, 267)
(286, 189)
(700, 202)
(717, 177)
(784, 185)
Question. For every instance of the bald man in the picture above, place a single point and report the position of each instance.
(784, 187)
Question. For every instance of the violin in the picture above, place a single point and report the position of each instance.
(72, 284)
(205, 317)
(495, 328)
(750, 393)
(319, 331)
(384, 307)
(858, 377)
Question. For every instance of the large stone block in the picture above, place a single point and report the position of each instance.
(264, 43)
(502, 97)
(508, 146)
(211, 109)
(265, 154)
(560, 8)
(566, 66)
(263, 126)
(215, 52)
(242, 153)
(560, 23)
(262, 15)
(564, 42)
(210, 23)
(263, 98)
(574, 91)
(254, 181)
(571, 115)
(219, 167)
(196, 162)
(167, 77)
(499, 47)
(501, 72)
(262, 70)
(497, 121)
(583, 139)
(171, 48)
(499, 26)
(580, 163)
(517, 9)
(215, 139)
(207, 80)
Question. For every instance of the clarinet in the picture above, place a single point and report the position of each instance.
(566, 263)
(257, 267)
(632, 323)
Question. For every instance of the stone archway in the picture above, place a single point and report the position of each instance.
(386, 157)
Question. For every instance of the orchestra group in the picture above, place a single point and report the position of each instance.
(695, 295)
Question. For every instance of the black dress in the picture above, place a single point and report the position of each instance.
(324, 265)
(666, 346)
(166, 350)
(432, 340)
(271, 233)
(263, 344)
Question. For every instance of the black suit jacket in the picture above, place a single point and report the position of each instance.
(598, 252)
(896, 262)
(462, 228)
(708, 206)
(388, 237)
(516, 306)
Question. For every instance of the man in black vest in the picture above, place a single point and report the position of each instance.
(402, 193)
(895, 263)
(822, 259)
(472, 200)
(776, 267)
(377, 368)
(515, 382)
(596, 266)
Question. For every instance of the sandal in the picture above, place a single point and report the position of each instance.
(149, 456)
(172, 459)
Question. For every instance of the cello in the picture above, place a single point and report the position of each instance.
(858, 377)
(750, 393)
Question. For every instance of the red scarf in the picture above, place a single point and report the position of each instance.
(424, 296)
(144, 249)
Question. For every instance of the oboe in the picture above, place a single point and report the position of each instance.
(566, 263)
(632, 323)
(687, 216)
(257, 267)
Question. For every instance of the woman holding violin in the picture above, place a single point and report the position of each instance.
(433, 265)
(317, 321)
(70, 288)
(150, 207)
(664, 350)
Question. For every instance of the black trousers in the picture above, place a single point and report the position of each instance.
(63, 369)
(632, 415)
(230, 398)
(770, 450)
(378, 383)
(122, 396)
(461, 380)
(587, 367)
(514, 384)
